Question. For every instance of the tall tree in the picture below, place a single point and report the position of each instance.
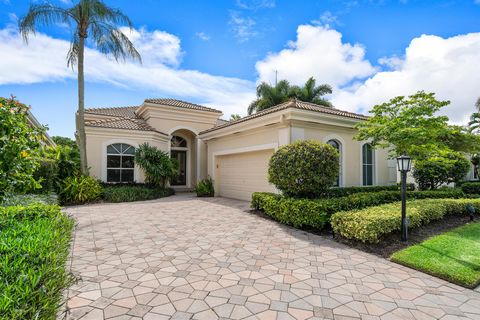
(269, 96)
(91, 19)
(310, 92)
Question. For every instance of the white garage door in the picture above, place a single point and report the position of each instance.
(239, 175)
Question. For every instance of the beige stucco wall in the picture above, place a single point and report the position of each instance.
(273, 136)
(99, 138)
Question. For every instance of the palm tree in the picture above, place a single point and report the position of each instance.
(90, 18)
(269, 96)
(311, 93)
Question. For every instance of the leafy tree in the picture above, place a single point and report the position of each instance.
(158, 166)
(312, 93)
(234, 117)
(64, 141)
(411, 126)
(91, 19)
(444, 167)
(269, 96)
(19, 144)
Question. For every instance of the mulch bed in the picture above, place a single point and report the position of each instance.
(390, 243)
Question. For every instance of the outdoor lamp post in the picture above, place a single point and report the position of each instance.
(404, 164)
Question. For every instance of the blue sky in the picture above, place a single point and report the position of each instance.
(214, 52)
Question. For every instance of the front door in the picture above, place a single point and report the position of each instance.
(181, 157)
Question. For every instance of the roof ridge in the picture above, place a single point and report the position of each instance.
(106, 108)
(172, 101)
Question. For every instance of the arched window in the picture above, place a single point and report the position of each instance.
(367, 164)
(178, 142)
(120, 162)
(337, 146)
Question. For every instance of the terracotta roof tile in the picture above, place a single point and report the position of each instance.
(123, 123)
(297, 104)
(181, 104)
(126, 112)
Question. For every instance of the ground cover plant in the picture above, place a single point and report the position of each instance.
(34, 246)
(454, 255)
(371, 224)
(129, 193)
(27, 199)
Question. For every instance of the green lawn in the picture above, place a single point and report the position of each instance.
(453, 256)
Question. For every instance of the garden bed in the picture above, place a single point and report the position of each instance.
(453, 256)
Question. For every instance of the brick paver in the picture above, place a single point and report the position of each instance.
(188, 258)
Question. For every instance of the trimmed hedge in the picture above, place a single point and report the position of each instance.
(345, 191)
(369, 225)
(34, 246)
(316, 212)
(471, 187)
(129, 193)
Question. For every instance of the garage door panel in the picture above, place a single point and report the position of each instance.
(239, 175)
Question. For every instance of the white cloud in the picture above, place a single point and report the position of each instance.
(255, 4)
(43, 60)
(326, 19)
(202, 36)
(242, 27)
(319, 52)
(448, 67)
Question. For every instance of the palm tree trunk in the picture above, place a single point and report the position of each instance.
(80, 121)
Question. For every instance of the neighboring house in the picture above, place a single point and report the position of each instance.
(46, 139)
(236, 153)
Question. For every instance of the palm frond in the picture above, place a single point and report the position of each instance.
(42, 14)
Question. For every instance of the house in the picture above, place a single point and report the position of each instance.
(234, 153)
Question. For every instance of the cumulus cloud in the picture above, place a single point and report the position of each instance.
(448, 67)
(43, 60)
(319, 52)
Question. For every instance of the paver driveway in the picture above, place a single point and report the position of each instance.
(183, 257)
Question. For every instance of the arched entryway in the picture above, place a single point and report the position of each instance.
(183, 149)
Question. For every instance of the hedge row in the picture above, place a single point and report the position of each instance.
(471, 187)
(345, 191)
(34, 246)
(369, 225)
(316, 213)
(129, 193)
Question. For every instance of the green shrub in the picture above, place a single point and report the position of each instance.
(316, 212)
(45, 174)
(158, 166)
(304, 168)
(34, 246)
(19, 144)
(471, 187)
(438, 169)
(345, 191)
(204, 188)
(80, 189)
(134, 193)
(369, 225)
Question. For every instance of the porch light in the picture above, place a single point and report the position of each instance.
(404, 164)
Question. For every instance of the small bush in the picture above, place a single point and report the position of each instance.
(316, 212)
(204, 188)
(134, 193)
(471, 187)
(79, 190)
(369, 225)
(304, 168)
(34, 246)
